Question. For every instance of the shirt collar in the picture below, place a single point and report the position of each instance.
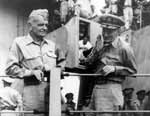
(116, 43)
(29, 40)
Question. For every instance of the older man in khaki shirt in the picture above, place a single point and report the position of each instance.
(30, 56)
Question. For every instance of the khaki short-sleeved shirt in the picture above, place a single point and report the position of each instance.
(25, 54)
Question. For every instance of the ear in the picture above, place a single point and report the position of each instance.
(29, 25)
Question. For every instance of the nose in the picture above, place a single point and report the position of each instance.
(45, 27)
(105, 34)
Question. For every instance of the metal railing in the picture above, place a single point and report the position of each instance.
(79, 111)
(120, 111)
(55, 74)
(78, 74)
(86, 74)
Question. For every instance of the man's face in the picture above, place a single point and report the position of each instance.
(141, 96)
(85, 40)
(70, 99)
(39, 27)
(128, 97)
(108, 35)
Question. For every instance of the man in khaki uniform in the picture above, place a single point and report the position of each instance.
(139, 103)
(31, 58)
(128, 101)
(114, 61)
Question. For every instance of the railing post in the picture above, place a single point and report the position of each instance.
(54, 97)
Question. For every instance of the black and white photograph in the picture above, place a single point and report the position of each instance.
(75, 58)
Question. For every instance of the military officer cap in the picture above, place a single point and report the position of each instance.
(69, 95)
(141, 92)
(110, 21)
(128, 91)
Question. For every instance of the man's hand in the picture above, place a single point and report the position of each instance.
(38, 74)
(108, 69)
(99, 43)
(82, 61)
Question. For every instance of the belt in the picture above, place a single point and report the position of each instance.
(113, 3)
(46, 76)
(109, 79)
(32, 80)
(106, 81)
(127, 6)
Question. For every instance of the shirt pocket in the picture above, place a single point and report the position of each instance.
(49, 59)
(33, 61)
(51, 54)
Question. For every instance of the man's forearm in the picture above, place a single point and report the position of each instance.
(120, 70)
(16, 71)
